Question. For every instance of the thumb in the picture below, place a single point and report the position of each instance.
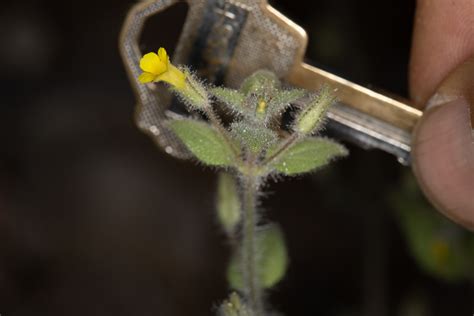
(442, 78)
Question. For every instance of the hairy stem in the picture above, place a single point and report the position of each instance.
(251, 282)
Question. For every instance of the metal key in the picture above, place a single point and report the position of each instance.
(227, 40)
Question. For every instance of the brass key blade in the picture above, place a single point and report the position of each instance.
(389, 110)
(366, 117)
(363, 116)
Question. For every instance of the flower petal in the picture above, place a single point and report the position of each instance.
(163, 55)
(151, 63)
(146, 77)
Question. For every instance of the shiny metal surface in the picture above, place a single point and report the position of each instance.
(227, 40)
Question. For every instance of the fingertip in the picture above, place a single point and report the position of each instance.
(444, 160)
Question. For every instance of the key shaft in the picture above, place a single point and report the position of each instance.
(363, 116)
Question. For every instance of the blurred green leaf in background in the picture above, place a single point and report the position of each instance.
(441, 248)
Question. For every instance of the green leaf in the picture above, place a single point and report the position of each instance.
(440, 247)
(233, 99)
(253, 137)
(282, 99)
(228, 203)
(260, 82)
(203, 141)
(434, 250)
(308, 155)
(272, 259)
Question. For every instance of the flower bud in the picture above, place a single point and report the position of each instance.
(310, 119)
(260, 82)
(233, 306)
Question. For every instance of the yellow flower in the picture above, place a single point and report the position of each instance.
(157, 67)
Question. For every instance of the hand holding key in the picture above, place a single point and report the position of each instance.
(442, 82)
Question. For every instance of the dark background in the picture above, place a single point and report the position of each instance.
(94, 220)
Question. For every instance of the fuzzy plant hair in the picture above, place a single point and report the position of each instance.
(249, 144)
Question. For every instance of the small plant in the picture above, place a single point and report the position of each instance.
(249, 147)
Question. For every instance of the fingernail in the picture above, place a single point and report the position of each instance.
(458, 84)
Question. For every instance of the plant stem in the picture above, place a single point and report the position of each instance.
(251, 282)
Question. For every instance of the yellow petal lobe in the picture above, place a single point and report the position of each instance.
(151, 63)
(146, 77)
(163, 55)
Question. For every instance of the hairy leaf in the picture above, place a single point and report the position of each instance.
(272, 259)
(203, 141)
(282, 99)
(228, 203)
(233, 99)
(308, 155)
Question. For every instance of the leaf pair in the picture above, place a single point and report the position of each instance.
(259, 99)
(212, 149)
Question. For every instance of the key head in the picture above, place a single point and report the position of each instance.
(223, 40)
